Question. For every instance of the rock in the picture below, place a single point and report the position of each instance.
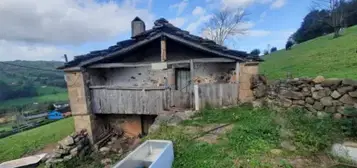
(313, 89)
(318, 106)
(292, 95)
(288, 146)
(74, 151)
(347, 99)
(349, 82)
(321, 114)
(331, 109)
(62, 151)
(337, 116)
(318, 87)
(56, 155)
(176, 119)
(332, 83)
(257, 103)
(276, 152)
(299, 102)
(309, 107)
(54, 161)
(336, 103)
(106, 161)
(113, 138)
(350, 144)
(318, 79)
(309, 100)
(104, 149)
(68, 141)
(110, 142)
(347, 153)
(340, 109)
(285, 102)
(345, 89)
(321, 93)
(260, 91)
(326, 101)
(285, 133)
(353, 94)
(67, 158)
(335, 94)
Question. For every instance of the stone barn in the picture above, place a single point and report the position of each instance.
(128, 84)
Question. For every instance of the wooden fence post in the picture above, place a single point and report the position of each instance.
(197, 98)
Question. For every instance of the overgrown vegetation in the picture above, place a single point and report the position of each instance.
(17, 145)
(254, 135)
(332, 58)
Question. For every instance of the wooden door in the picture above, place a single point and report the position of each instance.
(183, 79)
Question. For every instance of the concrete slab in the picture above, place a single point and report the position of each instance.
(30, 161)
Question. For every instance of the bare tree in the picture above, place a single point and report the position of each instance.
(225, 24)
(337, 13)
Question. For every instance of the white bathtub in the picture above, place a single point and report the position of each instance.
(150, 154)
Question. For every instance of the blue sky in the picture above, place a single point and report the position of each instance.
(43, 30)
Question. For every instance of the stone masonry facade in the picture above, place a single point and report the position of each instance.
(319, 96)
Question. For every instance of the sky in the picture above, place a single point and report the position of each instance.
(46, 29)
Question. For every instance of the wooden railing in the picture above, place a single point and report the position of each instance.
(129, 100)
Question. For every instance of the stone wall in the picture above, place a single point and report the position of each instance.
(319, 96)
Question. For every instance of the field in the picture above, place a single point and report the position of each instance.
(256, 138)
(331, 58)
(30, 100)
(17, 145)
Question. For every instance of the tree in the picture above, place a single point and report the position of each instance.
(225, 24)
(266, 52)
(255, 52)
(288, 45)
(336, 13)
(312, 26)
(273, 49)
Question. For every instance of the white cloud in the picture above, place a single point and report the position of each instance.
(24, 51)
(180, 7)
(192, 27)
(198, 11)
(66, 21)
(274, 4)
(277, 4)
(178, 22)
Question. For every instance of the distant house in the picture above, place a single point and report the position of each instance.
(128, 84)
(55, 115)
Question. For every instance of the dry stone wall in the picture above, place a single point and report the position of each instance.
(320, 96)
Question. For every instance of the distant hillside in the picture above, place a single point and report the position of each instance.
(331, 58)
(24, 81)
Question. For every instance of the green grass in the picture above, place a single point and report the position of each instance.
(17, 145)
(30, 100)
(331, 58)
(49, 90)
(254, 135)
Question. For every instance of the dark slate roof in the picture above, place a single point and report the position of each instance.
(164, 27)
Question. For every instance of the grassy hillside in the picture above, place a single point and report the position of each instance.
(59, 97)
(17, 145)
(331, 58)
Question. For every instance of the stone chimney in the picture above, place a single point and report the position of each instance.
(137, 26)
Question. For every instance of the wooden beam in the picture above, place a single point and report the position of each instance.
(163, 49)
(125, 88)
(199, 60)
(120, 65)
